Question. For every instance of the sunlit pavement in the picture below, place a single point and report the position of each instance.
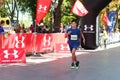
(41, 58)
(99, 64)
(53, 56)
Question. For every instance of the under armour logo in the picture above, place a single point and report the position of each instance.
(88, 28)
(19, 42)
(42, 8)
(7, 54)
(63, 47)
(47, 40)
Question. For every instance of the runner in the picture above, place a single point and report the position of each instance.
(74, 36)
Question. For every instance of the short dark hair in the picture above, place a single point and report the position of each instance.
(2, 22)
(7, 22)
(74, 20)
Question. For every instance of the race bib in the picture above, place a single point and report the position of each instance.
(74, 37)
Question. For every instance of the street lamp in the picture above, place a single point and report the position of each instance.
(53, 6)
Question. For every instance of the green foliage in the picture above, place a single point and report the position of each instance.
(47, 19)
(67, 15)
(3, 12)
(67, 19)
(30, 6)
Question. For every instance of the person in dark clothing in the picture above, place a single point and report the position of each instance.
(74, 36)
(1, 27)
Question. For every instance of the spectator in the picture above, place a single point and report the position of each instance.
(31, 28)
(12, 31)
(39, 28)
(18, 28)
(28, 31)
(61, 28)
(23, 29)
(67, 26)
(23, 26)
(45, 29)
(1, 27)
(104, 36)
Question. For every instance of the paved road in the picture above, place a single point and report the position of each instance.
(97, 65)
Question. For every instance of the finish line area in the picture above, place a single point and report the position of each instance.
(43, 58)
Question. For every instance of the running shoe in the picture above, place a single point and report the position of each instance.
(72, 66)
(77, 65)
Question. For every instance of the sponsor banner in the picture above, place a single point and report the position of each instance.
(32, 42)
(25, 41)
(79, 9)
(112, 16)
(12, 55)
(105, 19)
(42, 9)
(44, 43)
(89, 29)
(62, 48)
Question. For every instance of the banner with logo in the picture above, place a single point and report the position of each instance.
(62, 48)
(25, 41)
(12, 55)
(105, 19)
(44, 42)
(112, 16)
(79, 9)
(42, 9)
(33, 42)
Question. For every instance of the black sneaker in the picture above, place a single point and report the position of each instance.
(77, 65)
(72, 66)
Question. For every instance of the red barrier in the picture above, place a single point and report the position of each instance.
(1, 40)
(62, 48)
(33, 42)
(25, 41)
(12, 55)
(44, 42)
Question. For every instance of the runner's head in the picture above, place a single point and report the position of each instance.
(73, 24)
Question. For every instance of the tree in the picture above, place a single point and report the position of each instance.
(3, 10)
(63, 13)
(28, 6)
(57, 16)
(13, 9)
(67, 15)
